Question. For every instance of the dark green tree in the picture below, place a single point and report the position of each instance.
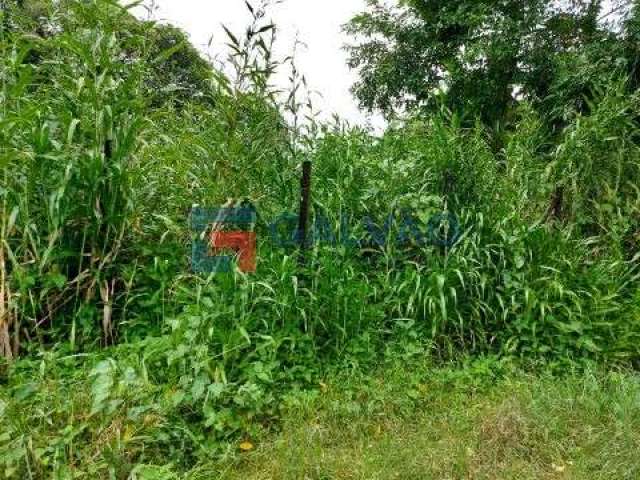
(479, 57)
(177, 73)
(632, 44)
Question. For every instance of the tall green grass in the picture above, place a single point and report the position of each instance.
(98, 183)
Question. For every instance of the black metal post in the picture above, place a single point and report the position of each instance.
(305, 199)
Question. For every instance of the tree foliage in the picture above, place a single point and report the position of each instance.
(480, 58)
(176, 74)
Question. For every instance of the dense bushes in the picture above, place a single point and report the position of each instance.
(98, 182)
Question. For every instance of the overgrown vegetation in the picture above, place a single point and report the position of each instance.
(406, 417)
(115, 356)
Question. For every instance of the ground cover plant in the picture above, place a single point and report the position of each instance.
(510, 353)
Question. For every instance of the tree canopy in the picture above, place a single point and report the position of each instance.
(481, 57)
(177, 72)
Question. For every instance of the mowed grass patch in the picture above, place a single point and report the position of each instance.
(455, 425)
(407, 420)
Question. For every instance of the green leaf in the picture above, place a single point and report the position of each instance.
(72, 129)
(199, 386)
(266, 28)
(233, 38)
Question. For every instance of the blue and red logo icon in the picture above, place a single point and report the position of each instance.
(223, 237)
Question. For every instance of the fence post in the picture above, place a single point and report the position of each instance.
(305, 198)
